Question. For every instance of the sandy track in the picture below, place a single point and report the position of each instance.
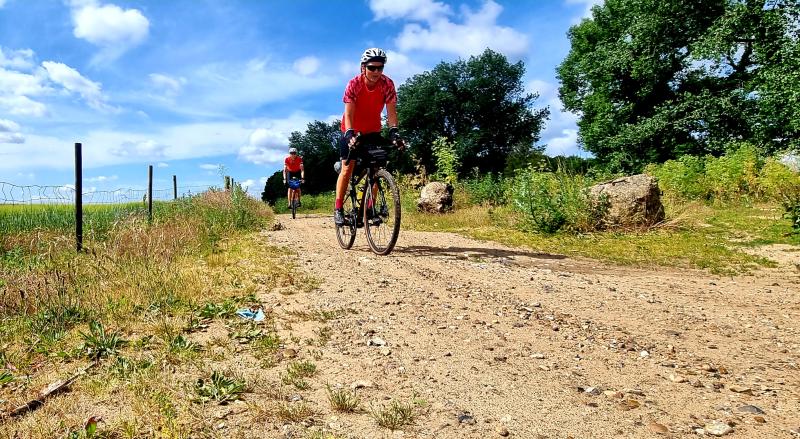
(509, 336)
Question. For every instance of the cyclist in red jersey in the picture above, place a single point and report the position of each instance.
(364, 99)
(293, 168)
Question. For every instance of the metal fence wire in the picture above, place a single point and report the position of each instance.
(14, 194)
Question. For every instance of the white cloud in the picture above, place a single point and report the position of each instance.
(209, 166)
(2, 3)
(247, 183)
(588, 4)
(399, 67)
(307, 65)
(270, 141)
(423, 10)
(166, 84)
(22, 106)
(110, 27)
(73, 81)
(16, 59)
(478, 31)
(146, 149)
(565, 144)
(102, 179)
(9, 132)
(162, 165)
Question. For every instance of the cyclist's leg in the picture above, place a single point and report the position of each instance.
(344, 175)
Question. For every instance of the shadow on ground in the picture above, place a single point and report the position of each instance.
(471, 252)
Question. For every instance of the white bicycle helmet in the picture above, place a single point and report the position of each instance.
(373, 54)
(293, 150)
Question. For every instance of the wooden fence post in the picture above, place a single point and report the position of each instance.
(227, 183)
(174, 187)
(78, 198)
(150, 193)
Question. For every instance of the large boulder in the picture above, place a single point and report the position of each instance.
(632, 201)
(436, 197)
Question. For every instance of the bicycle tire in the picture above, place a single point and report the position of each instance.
(346, 233)
(382, 220)
(294, 204)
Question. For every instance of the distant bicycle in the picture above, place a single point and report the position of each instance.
(294, 185)
(372, 201)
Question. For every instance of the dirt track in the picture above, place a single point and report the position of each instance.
(495, 338)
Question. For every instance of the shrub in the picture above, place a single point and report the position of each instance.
(553, 201)
(446, 160)
(733, 176)
(486, 189)
(682, 178)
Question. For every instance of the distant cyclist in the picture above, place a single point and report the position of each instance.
(364, 99)
(293, 168)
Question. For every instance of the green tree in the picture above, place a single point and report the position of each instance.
(653, 80)
(274, 189)
(480, 104)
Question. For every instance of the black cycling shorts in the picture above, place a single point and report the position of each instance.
(368, 139)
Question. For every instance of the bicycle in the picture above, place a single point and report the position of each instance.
(294, 185)
(372, 202)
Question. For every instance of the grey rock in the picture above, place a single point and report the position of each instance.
(717, 428)
(630, 201)
(750, 409)
(436, 197)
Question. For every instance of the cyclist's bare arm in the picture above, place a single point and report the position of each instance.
(302, 172)
(391, 114)
(349, 111)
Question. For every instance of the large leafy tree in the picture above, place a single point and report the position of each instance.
(480, 103)
(654, 79)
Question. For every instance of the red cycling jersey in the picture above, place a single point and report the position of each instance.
(293, 163)
(368, 102)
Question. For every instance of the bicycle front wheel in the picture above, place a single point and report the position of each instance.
(382, 213)
(294, 206)
(346, 233)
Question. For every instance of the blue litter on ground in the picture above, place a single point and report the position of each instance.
(247, 313)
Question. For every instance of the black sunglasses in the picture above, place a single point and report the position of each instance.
(374, 68)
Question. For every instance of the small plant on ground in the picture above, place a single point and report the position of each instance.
(294, 412)
(296, 371)
(98, 343)
(395, 416)
(343, 400)
(219, 388)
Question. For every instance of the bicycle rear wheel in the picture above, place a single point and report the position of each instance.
(346, 233)
(382, 219)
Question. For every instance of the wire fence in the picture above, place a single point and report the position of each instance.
(13, 194)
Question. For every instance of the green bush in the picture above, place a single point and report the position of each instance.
(446, 161)
(682, 178)
(486, 189)
(733, 176)
(553, 201)
(776, 179)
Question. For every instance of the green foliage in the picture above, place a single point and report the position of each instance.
(733, 176)
(219, 388)
(296, 371)
(394, 416)
(655, 80)
(343, 400)
(554, 201)
(488, 189)
(480, 104)
(446, 161)
(98, 343)
(683, 178)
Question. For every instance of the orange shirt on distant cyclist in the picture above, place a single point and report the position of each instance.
(293, 163)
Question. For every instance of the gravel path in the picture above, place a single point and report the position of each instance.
(502, 341)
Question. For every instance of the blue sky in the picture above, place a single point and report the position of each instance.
(189, 85)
